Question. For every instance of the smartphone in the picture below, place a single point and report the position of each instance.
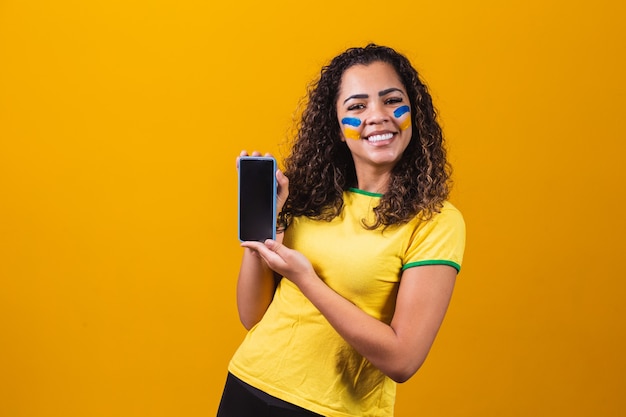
(257, 198)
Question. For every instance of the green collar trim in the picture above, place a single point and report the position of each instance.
(367, 193)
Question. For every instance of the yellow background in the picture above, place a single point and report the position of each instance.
(119, 126)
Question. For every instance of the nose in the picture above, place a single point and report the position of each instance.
(377, 115)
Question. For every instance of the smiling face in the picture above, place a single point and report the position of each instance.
(375, 116)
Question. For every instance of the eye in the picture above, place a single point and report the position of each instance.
(358, 106)
(394, 100)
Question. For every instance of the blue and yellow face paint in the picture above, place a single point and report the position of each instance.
(403, 112)
(349, 124)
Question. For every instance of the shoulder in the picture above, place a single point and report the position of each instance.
(440, 239)
(448, 222)
(449, 214)
(448, 217)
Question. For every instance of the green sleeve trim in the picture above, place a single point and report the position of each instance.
(356, 190)
(433, 262)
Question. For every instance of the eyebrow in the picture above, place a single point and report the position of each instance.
(380, 94)
(359, 96)
(389, 90)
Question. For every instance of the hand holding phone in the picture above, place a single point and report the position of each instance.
(257, 198)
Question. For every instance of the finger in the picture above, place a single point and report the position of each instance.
(283, 189)
(271, 258)
(261, 249)
(264, 248)
(242, 153)
(252, 245)
(283, 181)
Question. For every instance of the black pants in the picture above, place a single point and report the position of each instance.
(242, 400)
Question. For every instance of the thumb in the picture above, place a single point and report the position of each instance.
(272, 245)
(278, 248)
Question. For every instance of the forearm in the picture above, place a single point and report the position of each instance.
(255, 289)
(375, 340)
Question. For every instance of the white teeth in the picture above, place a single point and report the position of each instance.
(378, 138)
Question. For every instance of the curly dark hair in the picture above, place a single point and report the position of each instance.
(320, 166)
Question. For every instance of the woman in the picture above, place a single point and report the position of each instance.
(348, 300)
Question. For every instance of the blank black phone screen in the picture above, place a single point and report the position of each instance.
(257, 198)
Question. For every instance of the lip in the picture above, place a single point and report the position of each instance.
(380, 133)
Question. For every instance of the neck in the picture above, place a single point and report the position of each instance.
(373, 182)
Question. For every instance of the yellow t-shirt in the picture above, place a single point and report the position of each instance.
(294, 354)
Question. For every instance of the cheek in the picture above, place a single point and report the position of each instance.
(403, 115)
(350, 127)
